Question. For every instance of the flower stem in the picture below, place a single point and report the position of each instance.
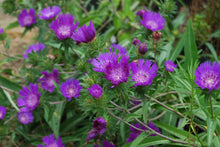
(210, 99)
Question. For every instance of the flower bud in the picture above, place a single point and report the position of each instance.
(136, 41)
(142, 48)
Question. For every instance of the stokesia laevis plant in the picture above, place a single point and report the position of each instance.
(51, 141)
(2, 112)
(26, 19)
(36, 48)
(96, 91)
(169, 65)
(49, 13)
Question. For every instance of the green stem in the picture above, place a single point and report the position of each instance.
(210, 99)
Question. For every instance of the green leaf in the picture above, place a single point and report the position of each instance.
(8, 44)
(211, 125)
(145, 111)
(177, 50)
(190, 48)
(127, 9)
(122, 130)
(8, 96)
(174, 131)
(216, 141)
(212, 50)
(54, 121)
(9, 84)
(116, 22)
(12, 25)
(154, 140)
(139, 139)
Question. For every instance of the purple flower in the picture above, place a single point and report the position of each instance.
(141, 12)
(30, 98)
(117, 72)
(25, 117)
(49, 78)
(135, 133)
(48, 13)
(2, 112)
(208, 76)
(99, 127)
(95, 90)
(70, 88)
(170, 66)
(1, 30)
(38, 47)
(142, 48)
(63, 26)
(143, 73)
(103, 60)
(153, 21)
(84, 34)
(136, 42)
(50, 141)
(118, 49)
(26, 18)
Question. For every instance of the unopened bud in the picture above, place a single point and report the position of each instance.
(136, 41)
(142, 48)
(156, 36)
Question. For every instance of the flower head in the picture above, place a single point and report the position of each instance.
(117, 72)
(153, 21)
(208, 76)
(170, 66)
(30, 97)
(51, 141)
(143, 72)
(135, 133)
(63, 26)
(26, 18)
(95, 90)
(49, 78)
(84, 34)
(38, 47)
(25, 117)
(48, 13)
(118, 49)
(99, 127)
(103, 60)
(136, 42)
(2, 112)
(70, 88)
(1, 30)
(105, 143)
(142, 48)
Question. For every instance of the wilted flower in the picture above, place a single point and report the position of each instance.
(63, 26)
(99, 127)
(38, 47)
(26, 18)
(170, 66)
(135, 133)
(30, 97)
(143, 73)
(153, 21)
(117, 72)
(1, 30)
(2, 112)
(25, 117)
(208, 76)
(48, 13)
(156, 36)
(103, 60)
(70, 88)
(49, 78)
(84, 34)
(50, 141)
(95, 90)
(142, 48)
(136, 42)
(118, 49)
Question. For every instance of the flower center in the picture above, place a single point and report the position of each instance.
(142, 77)
(27, 20)
(117, 74)
(64, 30)
(53, 145)
(32, 100)
(24, 117)
(210, 80)
(152, 24)
(1, 114)
(50, 81)
(71, 91)
(49, 14)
